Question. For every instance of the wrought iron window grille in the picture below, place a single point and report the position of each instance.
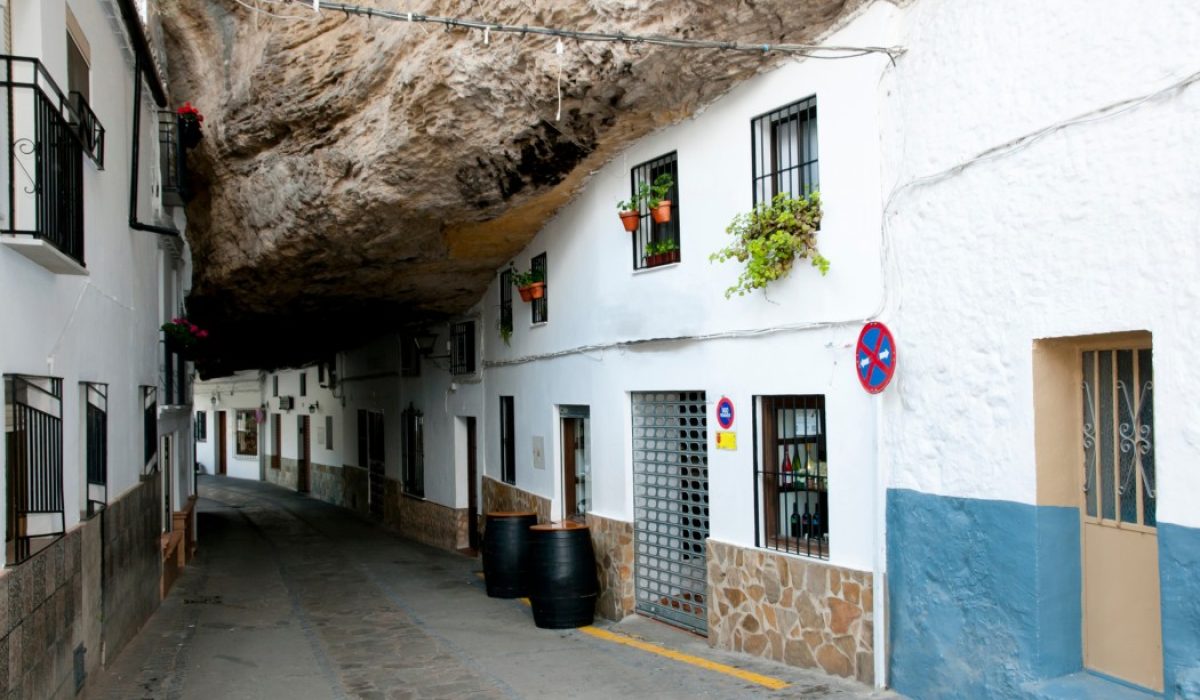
(410, 357)
(462, 348)
(508, 447)
(47, 135)
(34, 464)
(149, 430)
(539, 309)
(656, 244)
(506, 303)
(96, 446)
(413, 443)
(172, 160)
(784, 151)
(791, 475)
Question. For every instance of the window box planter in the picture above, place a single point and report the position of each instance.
(535, 290)
(671, 256)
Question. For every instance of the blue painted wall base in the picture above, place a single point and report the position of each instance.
(1179, 576)
(984, 595)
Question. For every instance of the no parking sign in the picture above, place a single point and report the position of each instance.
(875, 357)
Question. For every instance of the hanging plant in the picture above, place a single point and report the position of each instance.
(183, 334)
(531, 285)
(190, 119)
(652, 195)
(772, 237)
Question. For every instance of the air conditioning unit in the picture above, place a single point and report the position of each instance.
(287, 403)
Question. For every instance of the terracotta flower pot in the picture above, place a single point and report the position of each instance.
(537, 290)
(662, 213)
(189, 133)
(630, 219)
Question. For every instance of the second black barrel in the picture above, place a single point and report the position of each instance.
(562, 583)
(506, 553)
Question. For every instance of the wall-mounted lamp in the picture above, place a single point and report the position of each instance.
(425, 343)
(314, 406)
(214, 399)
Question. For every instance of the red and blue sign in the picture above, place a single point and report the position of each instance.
(725, 413)
(875, 357)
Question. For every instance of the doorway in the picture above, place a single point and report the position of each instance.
(222, 447)
(371, 454)
(472, 484)
(303, 454)
(575, 461)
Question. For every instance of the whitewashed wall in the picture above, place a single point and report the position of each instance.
(242, 391)
(102, 327)
(1090, 228)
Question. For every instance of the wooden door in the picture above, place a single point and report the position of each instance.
(569, 428)
(472, 486)
(1122, 626)
(222, 447)
(276, 441)
(303, 455)
(375, 463)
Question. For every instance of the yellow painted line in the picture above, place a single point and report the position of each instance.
(615, 638)
(750, 676)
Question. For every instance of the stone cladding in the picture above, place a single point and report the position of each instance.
(802, 612)
(499, 496)
(613, 543)
(423, 520)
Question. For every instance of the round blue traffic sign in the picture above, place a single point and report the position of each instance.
(875, 357)
(725, 413)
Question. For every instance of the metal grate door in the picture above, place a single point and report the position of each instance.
(670, 506)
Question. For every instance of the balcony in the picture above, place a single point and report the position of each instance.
(172, 160)
(46, 134)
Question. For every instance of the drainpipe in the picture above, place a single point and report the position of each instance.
(136, 149)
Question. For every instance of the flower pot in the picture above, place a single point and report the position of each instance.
(630, 219)
(653, 260)
(662, 213)
(189, 133)
(671, 256)
(537, 290)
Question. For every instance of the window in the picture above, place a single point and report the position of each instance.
(33, 409)
(321, 374)
(792, 476)
(656, 244)
(275, 385)
(276, 441)
(413, 440)
(304, 383)
(201, 426)
(329, 432)
(508, 447)
(462, 347)
(506, 316)
(410, 358)
(79, 80)
(363, 439)
(149, 430)
(247, 434)
(95, 398)
(1118, 437)
(538, 307)
(784, 148)
(175, 375)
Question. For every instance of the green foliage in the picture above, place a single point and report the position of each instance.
(659, 247)
(524, 279)
(505, 332)
(772, 237)
(650, 193)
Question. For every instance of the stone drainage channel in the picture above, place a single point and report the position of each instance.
(294, 598)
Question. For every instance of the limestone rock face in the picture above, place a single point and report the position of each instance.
(359, 174)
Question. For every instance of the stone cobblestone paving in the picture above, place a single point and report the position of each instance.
(293, 598)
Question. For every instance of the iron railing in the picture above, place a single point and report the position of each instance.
(34, 450)
(171, 161)
(149, 430)
(96, 398)
(413, 444)
(47, 134)
(656, 244)
(506, 305)
(792, 477)
(175, 375)
(508, 441)
(539, 308)
(783, 144)
(462, 347)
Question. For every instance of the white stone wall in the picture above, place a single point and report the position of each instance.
(1061, 229)
(102, 327)
(242, 391)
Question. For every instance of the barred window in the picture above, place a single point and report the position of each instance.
(410, 357)
(33, 442)
(329, 432)
(792, 477)
(247, 434)
(413, 443)
(149, 430)
(656, 244)
(506, 306)
(304, 383)
(95, 397)
(275, 385)
(201, 426)
(784, 148)
(539, 308)
(462, 347)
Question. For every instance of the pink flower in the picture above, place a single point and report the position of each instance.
(202, 334)
(177, 320)
(193, 327)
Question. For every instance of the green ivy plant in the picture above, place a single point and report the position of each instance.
(524, 279)
(772, 237)
(505, 332)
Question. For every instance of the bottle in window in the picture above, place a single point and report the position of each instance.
(815, 524)
(795, 519)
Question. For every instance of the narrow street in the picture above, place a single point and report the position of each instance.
(293, 598)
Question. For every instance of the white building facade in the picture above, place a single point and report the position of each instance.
(1017, 204)
(97, 422)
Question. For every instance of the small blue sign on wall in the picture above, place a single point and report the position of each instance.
(725, 413)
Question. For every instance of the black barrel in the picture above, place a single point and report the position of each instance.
(562, 583)
(506, 554)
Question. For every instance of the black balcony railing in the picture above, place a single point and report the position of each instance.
(46, 135)
(34, 449)
(176, 378)
(171, 161)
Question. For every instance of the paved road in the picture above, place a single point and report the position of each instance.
(293, 598)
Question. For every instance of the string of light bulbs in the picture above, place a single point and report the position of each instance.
(807, 50)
